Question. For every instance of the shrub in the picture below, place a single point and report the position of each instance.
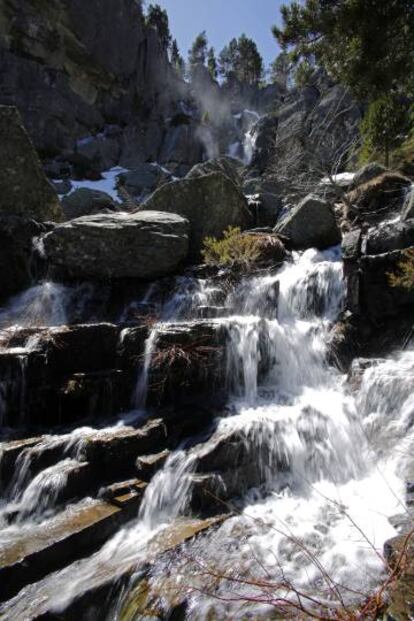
(234, 249)
(404, 277)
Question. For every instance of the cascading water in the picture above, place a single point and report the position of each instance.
(46, 304)
(320, 524)
(243, 148)
(141, 390)
(329, 472)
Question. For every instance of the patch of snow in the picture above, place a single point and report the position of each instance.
(106, 184)
(342, 179)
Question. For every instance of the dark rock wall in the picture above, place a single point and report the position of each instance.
(73, 67)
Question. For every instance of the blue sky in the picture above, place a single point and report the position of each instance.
(223, 20)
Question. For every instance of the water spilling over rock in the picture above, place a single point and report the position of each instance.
(300, 461)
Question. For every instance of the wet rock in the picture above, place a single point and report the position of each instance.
(9, 454)
(226, 165)
(68, 537)
(264, 195)
(101, 586)
(25, 191)
(187, 362)
(212, 312)
(114, 454)
(143, 245)
(97, 395)
(208, 495)
(238, 462)
(16, 252)
(84, 347)
(131, 346)
(193, 415)
(311, 224)
(345, 341)
(118, 493)
(211, 203)
(70, 374)
(148, 465)
(358, 368)
(85, 202)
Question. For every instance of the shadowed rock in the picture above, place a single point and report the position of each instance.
(311, 224)
(25, 191)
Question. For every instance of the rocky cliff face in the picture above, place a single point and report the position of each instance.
(86, 76)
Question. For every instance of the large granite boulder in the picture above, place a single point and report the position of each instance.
(227, 165)
(86, 202)
(25, 191)
(144, 245)
(310, 224)
(211, 203)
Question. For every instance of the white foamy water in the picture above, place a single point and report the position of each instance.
(328, 465)
(45, 305)
(320, 522)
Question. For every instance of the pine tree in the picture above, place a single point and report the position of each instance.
(281, 70)
(158, 18)
(228, 59)
(249, 67)
(212, 63)
(177, 60)
(385, 125)
(241, 60)
(365, 44)
(198, 53)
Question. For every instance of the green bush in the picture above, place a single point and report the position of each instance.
(234, 249)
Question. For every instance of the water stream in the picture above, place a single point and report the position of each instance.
(322, 473)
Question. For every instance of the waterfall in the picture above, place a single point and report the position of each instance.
(243, 148)
(141, 389)
(46, 304)
(321, 469)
